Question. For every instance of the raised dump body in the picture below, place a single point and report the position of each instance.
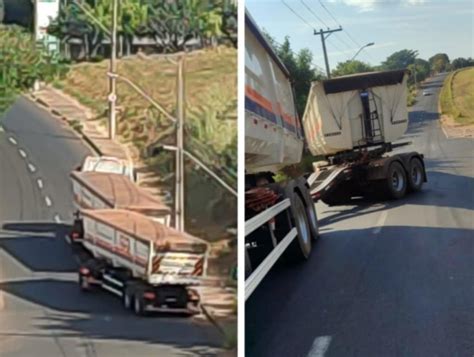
(153, 252)
(99, 190)
(355, 111)
(273, 136)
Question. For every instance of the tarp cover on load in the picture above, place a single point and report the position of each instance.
(117, 191)
(334, 116)
(142, 228)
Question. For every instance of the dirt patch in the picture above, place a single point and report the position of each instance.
(453, 129)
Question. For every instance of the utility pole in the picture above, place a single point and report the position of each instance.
(112, 69)
(323, 40)
(179, 177)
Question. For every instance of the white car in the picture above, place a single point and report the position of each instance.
(426, 92)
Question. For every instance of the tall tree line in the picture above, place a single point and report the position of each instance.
(170, 24)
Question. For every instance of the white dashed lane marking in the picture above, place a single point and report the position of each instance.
(320, 346)
(22, 153)
(57, 219)
(31, 167)
(40, 183)
(12, 140)
(380, 222)
(48, 201)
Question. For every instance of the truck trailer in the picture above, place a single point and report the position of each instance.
(350, 124)
(104, 183)
(150, 266)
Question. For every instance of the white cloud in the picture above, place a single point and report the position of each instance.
(369, 5)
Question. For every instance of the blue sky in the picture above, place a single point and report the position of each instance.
(429, 26)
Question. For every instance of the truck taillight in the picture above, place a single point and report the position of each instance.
(149, 296)
(84, 271)
(75, 235)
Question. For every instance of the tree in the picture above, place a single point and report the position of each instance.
(439, 62)
(21, 63)
(462, 63)
(351, 67)
(300, 67)
(399, 60)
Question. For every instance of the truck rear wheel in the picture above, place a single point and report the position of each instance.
(127, 299)
(300, 248)
(396, 181)
(138, 307)
(415, 175)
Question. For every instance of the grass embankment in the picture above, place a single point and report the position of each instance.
(457, 96)
(211, 102)
(210, 124)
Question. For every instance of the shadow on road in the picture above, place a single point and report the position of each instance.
(99, 315)
(368, 291)
(41, 246)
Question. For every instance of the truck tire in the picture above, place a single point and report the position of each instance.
(396, 181)
(127, 299)
(300, 248)
(138, 307)
(83, 285)
(415, 175)
(339, 196)
(312, 218)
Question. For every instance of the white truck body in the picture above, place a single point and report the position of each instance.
(151, 251)
(333, 117)
(108, 164)
(273, 136)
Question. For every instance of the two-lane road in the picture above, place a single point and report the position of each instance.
(385, 279)
(42, 311)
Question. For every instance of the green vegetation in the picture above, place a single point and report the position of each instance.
(211, 103)
(457, 96)
(301, 70)
(21, 63)
(351, 67)
(171, 24)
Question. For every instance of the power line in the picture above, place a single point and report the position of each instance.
(325, 24)
(346, 32)
(314, 14)
(294, 12)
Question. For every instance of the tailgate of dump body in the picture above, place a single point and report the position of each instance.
(178, 268)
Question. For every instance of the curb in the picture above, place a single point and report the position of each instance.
(80, 134)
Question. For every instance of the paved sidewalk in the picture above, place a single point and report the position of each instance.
(71, 110)
(218, 299)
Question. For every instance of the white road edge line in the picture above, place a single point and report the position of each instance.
(444, 132)
(12, 140)
(31, 167)
(57, 219)
(22, 153)
(380, 222)
(320, 346)
(48, 201)
(40, 183)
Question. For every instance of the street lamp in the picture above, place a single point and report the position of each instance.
(360, 49)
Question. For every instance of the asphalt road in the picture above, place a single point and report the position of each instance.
(42, 311)
(385, 279)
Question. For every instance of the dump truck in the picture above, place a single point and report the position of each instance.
(150, 266)
(107, 182)
(350, 124)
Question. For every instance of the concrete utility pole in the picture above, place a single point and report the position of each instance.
(179, 178)
(323, 40)
(113, 69)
